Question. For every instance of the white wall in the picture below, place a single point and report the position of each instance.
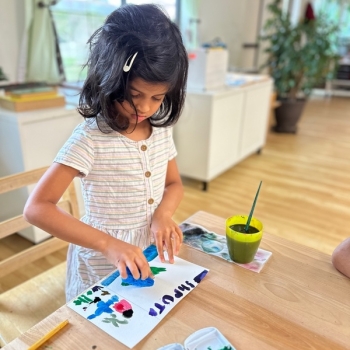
(11, 27)
(235, 23)
(223, 19)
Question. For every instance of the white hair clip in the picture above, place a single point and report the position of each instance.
(127, 66)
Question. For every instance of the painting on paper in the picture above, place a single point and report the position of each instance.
(128, 312)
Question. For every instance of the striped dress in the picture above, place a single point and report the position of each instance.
(122, 184)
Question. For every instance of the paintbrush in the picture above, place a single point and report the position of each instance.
(246, 229)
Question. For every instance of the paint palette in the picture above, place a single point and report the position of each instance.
(204, 339)
(198, 237)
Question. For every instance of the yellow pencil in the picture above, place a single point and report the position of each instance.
(48, 335)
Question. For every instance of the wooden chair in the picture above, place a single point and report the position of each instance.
(12, 225)
(28, 303)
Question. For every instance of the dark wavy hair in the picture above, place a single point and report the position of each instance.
(161, 58)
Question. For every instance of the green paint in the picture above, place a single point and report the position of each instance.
(242, 246)
(82, 299)
(113, 319)
(242, 228)
(156, 270)
(242, 252)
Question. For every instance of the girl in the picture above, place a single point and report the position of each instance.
(123, 151)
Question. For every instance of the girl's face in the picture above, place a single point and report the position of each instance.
(147, 98)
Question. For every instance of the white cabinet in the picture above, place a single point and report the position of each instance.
(255, 117)
(217, 129)
(30, 140)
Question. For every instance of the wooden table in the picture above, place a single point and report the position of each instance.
(298, 301)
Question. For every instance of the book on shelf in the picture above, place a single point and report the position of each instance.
(6, 86)
(34, 93)
(22, 104)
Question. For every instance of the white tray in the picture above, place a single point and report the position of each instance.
(202, 339)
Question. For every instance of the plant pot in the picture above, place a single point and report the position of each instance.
(288, 114)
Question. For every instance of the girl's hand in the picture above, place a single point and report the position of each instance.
(168, 236)
(59, 223)
(122, 255)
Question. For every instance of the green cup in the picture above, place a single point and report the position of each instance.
(242, 246)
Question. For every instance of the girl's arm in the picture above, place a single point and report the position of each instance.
(41, 210)
(167, 233)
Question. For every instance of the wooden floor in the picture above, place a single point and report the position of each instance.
(305, 195)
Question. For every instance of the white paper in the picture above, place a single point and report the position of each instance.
(104, 305)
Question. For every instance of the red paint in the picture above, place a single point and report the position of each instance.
(122, 306)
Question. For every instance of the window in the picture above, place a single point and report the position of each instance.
(168, 5)
(338, 12)
(77, 20)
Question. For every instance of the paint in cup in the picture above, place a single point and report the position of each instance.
(242, 246)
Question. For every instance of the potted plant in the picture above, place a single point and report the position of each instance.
(299, 57)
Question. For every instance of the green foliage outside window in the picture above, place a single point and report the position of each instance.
(75, 22)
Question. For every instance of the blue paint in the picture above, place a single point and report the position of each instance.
(166, 298)
(103, 306)
(96, 288)
(130, 280)
(190, 284)
(200, 276)
(178, 294)
(160, 307)
(152, 312)
(182, 287)
(106, 282)
(150, 253)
